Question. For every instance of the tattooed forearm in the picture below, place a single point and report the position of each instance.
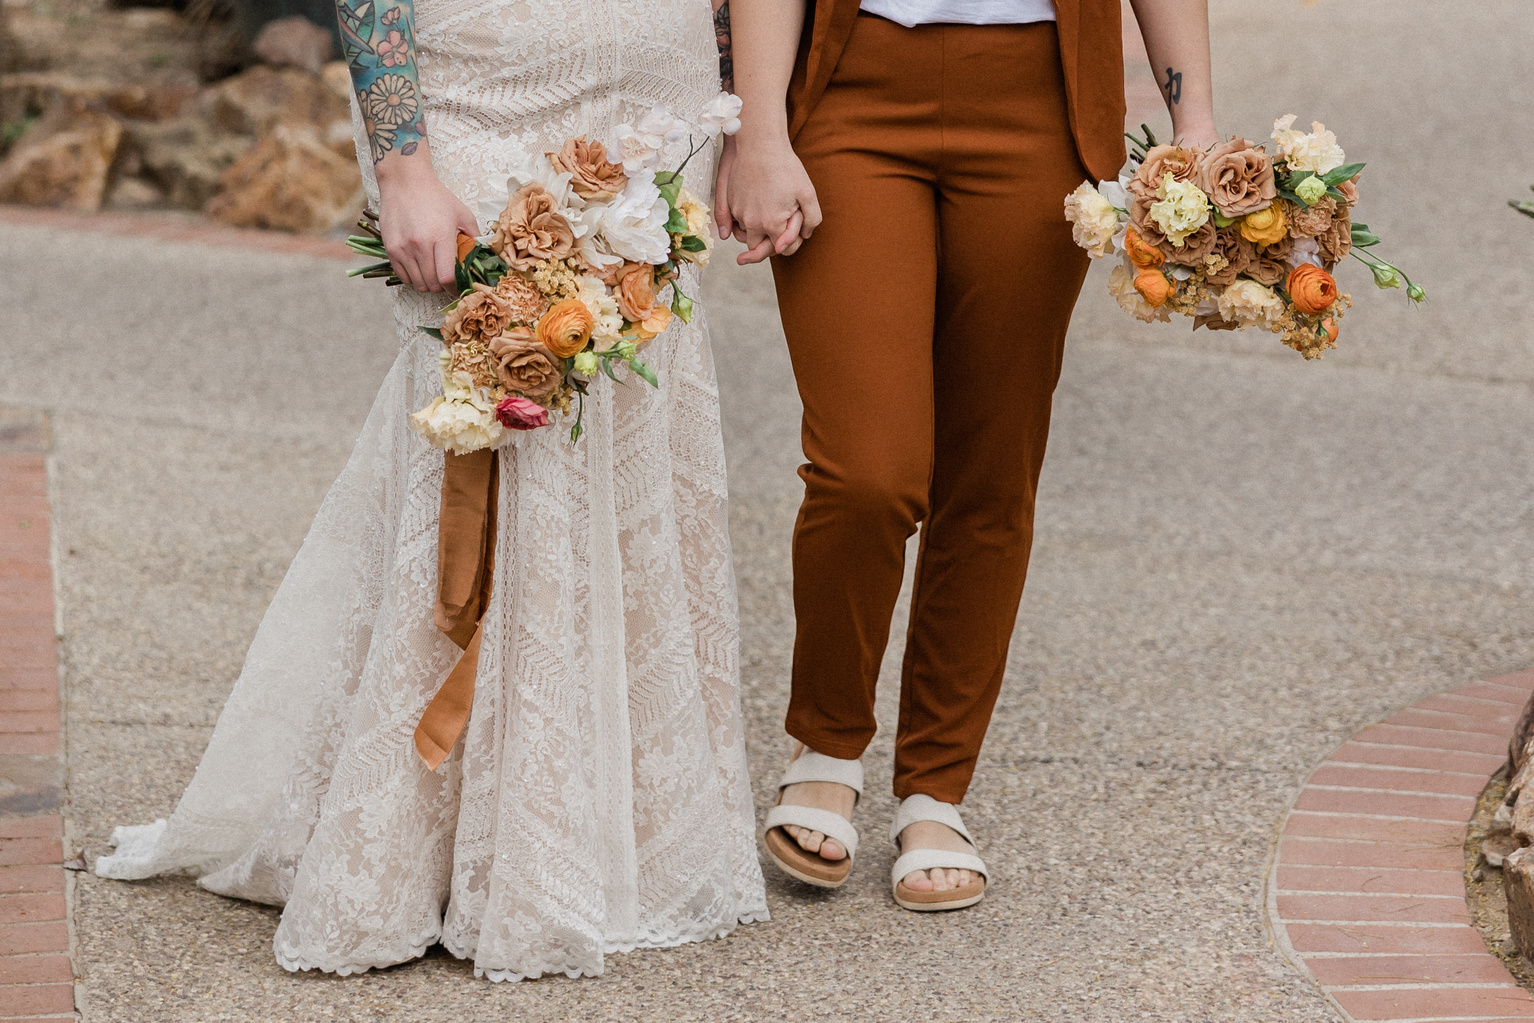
(722, 37)
(1173, 87)
(378, 40)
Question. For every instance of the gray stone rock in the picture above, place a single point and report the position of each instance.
(293, 42)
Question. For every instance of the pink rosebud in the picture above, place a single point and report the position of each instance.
(518, 413)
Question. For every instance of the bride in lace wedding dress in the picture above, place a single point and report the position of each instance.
(599, 799)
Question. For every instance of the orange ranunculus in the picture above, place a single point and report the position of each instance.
(1154, 287)
(1141, 253)
(635, 291)
(465, 246)
(1265, 227)
(1330, 326)
(1311, 289)
(565, 329)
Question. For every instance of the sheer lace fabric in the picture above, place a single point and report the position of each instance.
(599, 800)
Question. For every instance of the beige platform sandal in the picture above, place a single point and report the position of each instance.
(799, 863)
(924, 808)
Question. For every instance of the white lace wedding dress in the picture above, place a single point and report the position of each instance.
(599, 800)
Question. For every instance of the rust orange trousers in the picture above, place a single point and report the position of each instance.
(926, 322)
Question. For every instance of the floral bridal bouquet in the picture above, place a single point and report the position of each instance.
(1234, 237)
(567, 282)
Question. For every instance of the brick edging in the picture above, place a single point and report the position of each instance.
(36, 975)
(1365, 891)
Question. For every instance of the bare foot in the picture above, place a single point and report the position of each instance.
(823, 795)
(932, 835)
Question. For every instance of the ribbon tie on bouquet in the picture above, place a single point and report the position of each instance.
(465, 564)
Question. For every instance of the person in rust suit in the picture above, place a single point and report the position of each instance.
(905, 165)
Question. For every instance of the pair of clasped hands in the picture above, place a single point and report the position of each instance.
(763, 197)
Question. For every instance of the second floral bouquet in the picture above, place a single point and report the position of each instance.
(1234, 237)
(566, 285)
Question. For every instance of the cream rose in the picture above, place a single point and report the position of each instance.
(1250, 304)
(1093, 219)
(1182, 209)
(1316, 151)
(461, 420)
(698, 218)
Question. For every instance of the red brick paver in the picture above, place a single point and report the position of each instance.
(1367, 889)
(36, 978)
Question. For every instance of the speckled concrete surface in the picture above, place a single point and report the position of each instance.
(1241, 560)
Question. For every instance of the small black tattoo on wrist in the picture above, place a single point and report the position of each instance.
(1173, 86)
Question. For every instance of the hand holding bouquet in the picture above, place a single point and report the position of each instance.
(1233, 237)
(567, 282)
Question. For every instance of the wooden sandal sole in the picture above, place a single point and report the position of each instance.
(933, 902)
(802, 865)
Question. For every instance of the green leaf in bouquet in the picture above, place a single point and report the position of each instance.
(1343, 173)
(607, 367)
(461, 277)
(432, 332)
(692, 243)
(681, 305)
(1363, 237)
(1221, 220)
(645, 372)
(676, 223)
(670, 186)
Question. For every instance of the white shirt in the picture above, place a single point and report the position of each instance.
(961, 12)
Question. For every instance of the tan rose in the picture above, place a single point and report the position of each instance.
(530, 229)
(591, 175)
(523, 298)
(1237, 177)
(1194, 247)
(523, 365)
(1181, 163)
(1139, 216)
(635, 286)
(1264, 269)
(1349, 190)
(1312, 221)
(1237, 252)
(1337, 241)
(566, 327)
(479, 316)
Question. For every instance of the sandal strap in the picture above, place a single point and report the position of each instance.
(812, 766)
(927, 859)
(922, 807)
(828, 823)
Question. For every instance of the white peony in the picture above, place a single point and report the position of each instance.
(607, 321)
(633, 226)
(640, 145)
(461, 420)
(1250, 304)
(722, 114)
(1121, 284)
(1094, 220)
(1316, 151)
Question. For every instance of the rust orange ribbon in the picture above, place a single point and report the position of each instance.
(465, 563)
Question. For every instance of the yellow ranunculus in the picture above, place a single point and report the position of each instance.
(1265, 227)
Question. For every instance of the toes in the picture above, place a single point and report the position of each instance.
(942, 879)
(918, 881)
(810, 841)
(831, 849)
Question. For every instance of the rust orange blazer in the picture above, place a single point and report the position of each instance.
(1091, 51)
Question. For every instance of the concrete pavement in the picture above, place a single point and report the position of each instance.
(1241, 560)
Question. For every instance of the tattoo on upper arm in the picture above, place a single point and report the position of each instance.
(1173, 86)
(378, 41)
(722, 37)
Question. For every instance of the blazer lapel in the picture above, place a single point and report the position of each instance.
(830, 28)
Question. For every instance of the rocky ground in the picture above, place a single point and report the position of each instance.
(1242, 559)
(143, 108)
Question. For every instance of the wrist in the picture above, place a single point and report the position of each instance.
(397, 170)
